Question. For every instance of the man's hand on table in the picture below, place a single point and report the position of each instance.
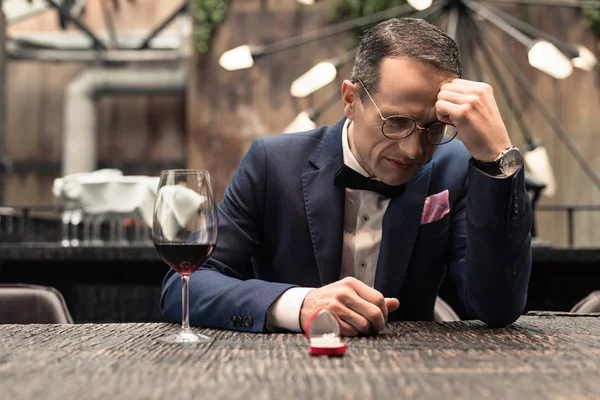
(359, 308)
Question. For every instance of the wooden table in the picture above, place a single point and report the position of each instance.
(545, 356)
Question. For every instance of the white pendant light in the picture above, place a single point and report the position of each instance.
(546, 57)
(420, 4)
(586, 61)
(301, 123)
(540, 169)
(238, 58)
(314, 79)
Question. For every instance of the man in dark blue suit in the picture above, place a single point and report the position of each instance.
(371, 216)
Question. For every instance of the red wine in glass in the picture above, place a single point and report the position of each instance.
(184, 258)
(184, 231)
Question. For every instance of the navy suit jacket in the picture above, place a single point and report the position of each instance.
(281, 225)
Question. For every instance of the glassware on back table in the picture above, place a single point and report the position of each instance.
(184, 231)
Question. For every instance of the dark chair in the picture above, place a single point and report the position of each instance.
(588, 305)
(442, 312)
(32, 304)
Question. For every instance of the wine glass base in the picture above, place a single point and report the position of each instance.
(186, 337)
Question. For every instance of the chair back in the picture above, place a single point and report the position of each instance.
(32, 304)
(442, 312)
(589, 304)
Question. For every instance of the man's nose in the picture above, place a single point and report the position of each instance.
(412, 146)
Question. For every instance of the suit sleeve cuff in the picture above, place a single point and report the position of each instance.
(284, 313)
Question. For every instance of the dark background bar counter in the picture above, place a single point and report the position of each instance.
(121, 283)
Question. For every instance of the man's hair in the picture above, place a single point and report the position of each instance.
(415, 39)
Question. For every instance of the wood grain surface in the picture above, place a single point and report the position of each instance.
(540, 357)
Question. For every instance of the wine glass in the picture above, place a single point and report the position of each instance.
(184, 232)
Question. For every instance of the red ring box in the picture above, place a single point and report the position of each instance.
(323, 332)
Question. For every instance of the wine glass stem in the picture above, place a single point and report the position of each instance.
(185, 302)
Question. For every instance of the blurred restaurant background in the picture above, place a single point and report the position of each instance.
(98, 96)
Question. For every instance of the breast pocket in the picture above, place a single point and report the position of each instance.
(434, 229)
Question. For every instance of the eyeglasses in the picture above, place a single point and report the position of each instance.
(397, 127)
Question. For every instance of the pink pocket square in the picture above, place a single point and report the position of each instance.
(435, 208)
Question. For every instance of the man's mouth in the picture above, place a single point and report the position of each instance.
(401, 165)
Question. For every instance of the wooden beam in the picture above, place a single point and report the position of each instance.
(2, 97)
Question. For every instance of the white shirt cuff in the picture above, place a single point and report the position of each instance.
(284, 313)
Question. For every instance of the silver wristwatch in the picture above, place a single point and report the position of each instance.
(509, 161)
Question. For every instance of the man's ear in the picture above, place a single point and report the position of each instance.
(349, 98)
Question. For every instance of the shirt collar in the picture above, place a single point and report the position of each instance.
(349, 158)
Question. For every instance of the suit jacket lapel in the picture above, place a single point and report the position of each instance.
(399, 231)
(324, 205)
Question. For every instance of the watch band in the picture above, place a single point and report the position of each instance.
(489, 167)
(492, 167)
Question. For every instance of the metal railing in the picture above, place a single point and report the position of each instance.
(17, 223)
(71, 228)
(46, 223)
(570, 210)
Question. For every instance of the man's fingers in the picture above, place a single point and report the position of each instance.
(370, 295)
(444, 110)
(457, 88)
(360, 308)
(392, 304)
(357, 320)
(348, 330)
(456, 98)
(372, 313)
(465, 82)
(353, 323)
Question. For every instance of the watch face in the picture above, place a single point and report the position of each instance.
(511, 162)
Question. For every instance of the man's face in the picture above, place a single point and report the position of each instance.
(406, 88)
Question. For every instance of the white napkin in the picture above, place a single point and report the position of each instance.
(69, 187)
(108, 191)
(175, 207)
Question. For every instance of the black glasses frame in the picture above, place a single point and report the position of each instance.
(416, 126)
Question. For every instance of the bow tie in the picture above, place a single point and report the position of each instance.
(349, 178)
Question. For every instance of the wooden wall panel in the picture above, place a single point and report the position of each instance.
(135, 128)
(36, 96)
(229, 109)
(130, 129)
(224, 111)
(132, 15)
(3, 77)
(575, 103)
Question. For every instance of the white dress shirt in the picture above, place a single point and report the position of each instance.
(363, 217)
